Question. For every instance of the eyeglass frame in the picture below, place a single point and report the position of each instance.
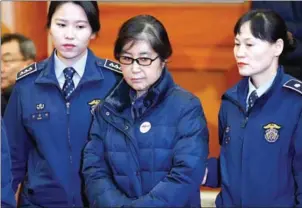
(137, 60)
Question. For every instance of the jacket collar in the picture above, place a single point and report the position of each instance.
(119, 99)
(239, 92)
(92, 71)
(78, 66)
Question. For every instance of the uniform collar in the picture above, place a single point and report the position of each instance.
(78, 66)
(262, 89)
(92, 72)
(239, 92)
(120, 99)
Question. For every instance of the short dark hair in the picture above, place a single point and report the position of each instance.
(90, 8)
(266, 25)
(144, 27)
(27, 46)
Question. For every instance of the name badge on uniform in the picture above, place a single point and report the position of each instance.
(272, 132)
(40, 116)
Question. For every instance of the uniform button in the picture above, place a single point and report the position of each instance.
(107, 113)
(227, 140)
(126, 127)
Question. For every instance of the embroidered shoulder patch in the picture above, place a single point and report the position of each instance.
(294, 84)
(113, 66)
(26, 71)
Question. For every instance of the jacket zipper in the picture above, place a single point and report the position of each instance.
(69, 142)
(68, 130)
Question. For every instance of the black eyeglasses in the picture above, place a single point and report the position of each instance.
(143, 61)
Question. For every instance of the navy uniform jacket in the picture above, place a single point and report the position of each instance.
(261, 150)
(47, 134)
(7, 194)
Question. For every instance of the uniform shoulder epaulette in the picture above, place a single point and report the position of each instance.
(114, 66)
(27, 71)
(294, 84)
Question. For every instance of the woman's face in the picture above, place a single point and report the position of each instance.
(255, 56)
(139, 77)
(70, 32)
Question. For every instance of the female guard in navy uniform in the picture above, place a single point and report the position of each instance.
(149, 138)
(260, 121)
(49, 113)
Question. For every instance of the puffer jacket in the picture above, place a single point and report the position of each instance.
(156, 160)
